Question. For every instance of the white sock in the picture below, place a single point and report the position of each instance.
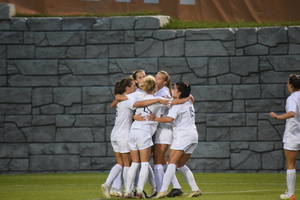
(143, 176)
(290, 181)
(136, 180)
(131, 174)
(159, 175)
(175, 182)
(189, 177)
(117, 183)
(114, 172)
(125, 172)
(151, 178)
(169, 174)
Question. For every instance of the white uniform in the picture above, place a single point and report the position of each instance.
(137, 95)
(184, 128)
(123, 121)
(141, 132)
(291, 137)
(164, 132)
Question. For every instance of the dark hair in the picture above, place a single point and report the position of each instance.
(294, 80)
(134, 75)
(120, 86)
(184, 88)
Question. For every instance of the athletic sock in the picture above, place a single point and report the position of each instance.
(131, 174)
(290, 181)
(143, 176)
(169, 174)
(151, 178)
(189, 177)
(117, 183)
(175, 182)
(159, 175)
(125, 172)
(114, 172)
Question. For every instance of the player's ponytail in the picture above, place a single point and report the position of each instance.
(120, 86)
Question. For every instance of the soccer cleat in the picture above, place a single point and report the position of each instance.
(194, 193)
(175, 192)
(129, 195)
(285, 196)
(105, 190)
(114, 192)
(161, 194)
(141, 194)
(153, 195)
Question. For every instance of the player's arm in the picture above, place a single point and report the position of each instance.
(114, 103)
(181, 101)
(139, 117)
(118, 98)
(283, 116)
(152, 117)
(150, 102)
(163, 119)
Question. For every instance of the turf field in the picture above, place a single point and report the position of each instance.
(86, 186)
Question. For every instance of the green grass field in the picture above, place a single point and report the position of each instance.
(86, 186)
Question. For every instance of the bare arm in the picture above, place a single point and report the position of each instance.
(150, 102)
(163, 119)
(181, 101)
(139, 117)
(283, 116)
(118, 98)
(152, 117)
(114, 103)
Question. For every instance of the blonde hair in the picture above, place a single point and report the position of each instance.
(168, 80)
(148, 84)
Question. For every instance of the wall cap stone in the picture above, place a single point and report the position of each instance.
(7, 10)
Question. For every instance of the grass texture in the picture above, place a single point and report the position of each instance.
(86, 186)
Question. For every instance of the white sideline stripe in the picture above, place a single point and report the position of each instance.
(39, 185)
(246, 191)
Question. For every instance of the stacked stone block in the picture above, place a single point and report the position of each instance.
(57, 77)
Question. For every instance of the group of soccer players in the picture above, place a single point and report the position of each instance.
(151, 119)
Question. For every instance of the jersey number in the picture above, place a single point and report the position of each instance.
(192, 112)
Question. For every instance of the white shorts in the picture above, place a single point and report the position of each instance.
(291, 146)
(120, 146)
(186, 148)
(163, 136)
(139, 139)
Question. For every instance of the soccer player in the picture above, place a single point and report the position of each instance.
(140, 139)
(163, 137)
(185, 140)
(119, 135)
(291, 136)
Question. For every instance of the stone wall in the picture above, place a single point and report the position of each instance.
(57, 77)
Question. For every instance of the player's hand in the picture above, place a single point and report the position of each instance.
(151, 117)
(164, 101)
(272, 114)
(139, 117)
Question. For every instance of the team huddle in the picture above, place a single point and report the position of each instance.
(151, 120)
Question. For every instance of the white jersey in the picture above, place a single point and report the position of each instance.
(292, 126)
(184, 128)
(163, 92)
(149, 126)
(137, 95)
(164, 132)
(123, 121)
